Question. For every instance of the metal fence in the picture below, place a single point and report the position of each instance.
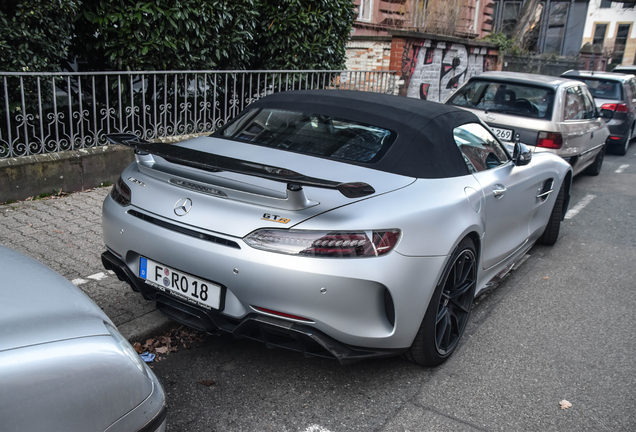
(51, 112)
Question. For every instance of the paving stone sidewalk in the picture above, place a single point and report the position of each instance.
(65, 233)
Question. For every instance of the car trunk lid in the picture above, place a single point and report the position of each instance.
(262, 192)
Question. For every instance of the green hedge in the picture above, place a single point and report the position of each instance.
(35, 35)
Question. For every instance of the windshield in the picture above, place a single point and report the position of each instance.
(313, 134)
(602, 89)
(508, 98)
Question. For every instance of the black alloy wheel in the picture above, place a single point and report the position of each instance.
(454, 304)
(448, 311)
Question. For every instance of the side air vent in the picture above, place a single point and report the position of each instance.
(182, 230)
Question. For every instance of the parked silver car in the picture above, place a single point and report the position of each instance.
(615, 96)
(548, 113)
(63, 364)
(336, 223)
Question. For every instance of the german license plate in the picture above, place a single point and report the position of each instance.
(503, 134)
(186, 286)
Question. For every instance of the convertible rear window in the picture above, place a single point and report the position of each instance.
(505, 97)
(313, 134)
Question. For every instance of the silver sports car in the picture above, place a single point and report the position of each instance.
(335, 223)
(63, 364)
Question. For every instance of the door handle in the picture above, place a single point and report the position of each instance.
(499, 191)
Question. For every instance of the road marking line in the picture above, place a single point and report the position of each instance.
(580, 206)
(78, 281)
(98, 276)
(316, 428)
(621, 169)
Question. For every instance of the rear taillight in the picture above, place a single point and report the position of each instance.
(551, 140)
(615, 107)
(331, 244)
(121, 193)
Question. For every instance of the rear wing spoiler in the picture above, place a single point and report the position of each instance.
(214, 163)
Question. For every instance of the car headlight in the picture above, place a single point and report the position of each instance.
(127, 348)
(333, 244)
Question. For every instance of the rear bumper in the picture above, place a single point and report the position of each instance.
(272, 331)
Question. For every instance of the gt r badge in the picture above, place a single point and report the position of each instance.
(183, 206)
(274, 218)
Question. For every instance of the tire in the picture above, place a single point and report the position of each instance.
(551, 233)
(595, 168)
(622, 150)
(448, 311)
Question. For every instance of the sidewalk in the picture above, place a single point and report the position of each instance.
(65, 233)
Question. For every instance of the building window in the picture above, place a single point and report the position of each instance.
(534, 28)
(365, 10)
(558, 18)
(599, 34)
(510, 16)
(605, 4)
(619, 45)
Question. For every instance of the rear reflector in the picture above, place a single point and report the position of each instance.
(281, 314)
(615, 138)
(551, 140)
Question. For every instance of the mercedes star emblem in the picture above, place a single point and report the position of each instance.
(183, 206)
(490, 117)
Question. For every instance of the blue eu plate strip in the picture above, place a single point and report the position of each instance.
(143, 267)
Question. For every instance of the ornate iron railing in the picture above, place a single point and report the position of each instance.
(51, 112)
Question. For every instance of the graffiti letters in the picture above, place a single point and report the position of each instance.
(434, 70)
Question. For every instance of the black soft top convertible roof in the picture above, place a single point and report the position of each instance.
(424, 147)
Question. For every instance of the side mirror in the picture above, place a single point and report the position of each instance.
(607, 114)
(521, 155)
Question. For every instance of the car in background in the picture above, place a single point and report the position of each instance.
(63, 364)
(615, 96)
(335, 223)
(625, 69)
(546, 113)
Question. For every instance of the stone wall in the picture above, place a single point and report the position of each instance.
(368, 53)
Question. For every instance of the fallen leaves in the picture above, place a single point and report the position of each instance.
(165, 344)
(207, 383)
(565, 404)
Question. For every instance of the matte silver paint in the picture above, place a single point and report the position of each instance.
(434, 215)
(60, 368)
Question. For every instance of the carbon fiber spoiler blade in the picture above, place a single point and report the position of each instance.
(213, 162)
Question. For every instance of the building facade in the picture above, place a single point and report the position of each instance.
(610, 30)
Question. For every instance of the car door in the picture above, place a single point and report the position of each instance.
(596, 131)
(576, 128)
(630, 100)
(509, 192)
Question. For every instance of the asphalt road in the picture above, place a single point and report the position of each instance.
(559, 327)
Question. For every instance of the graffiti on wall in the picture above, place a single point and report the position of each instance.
(434, 70)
